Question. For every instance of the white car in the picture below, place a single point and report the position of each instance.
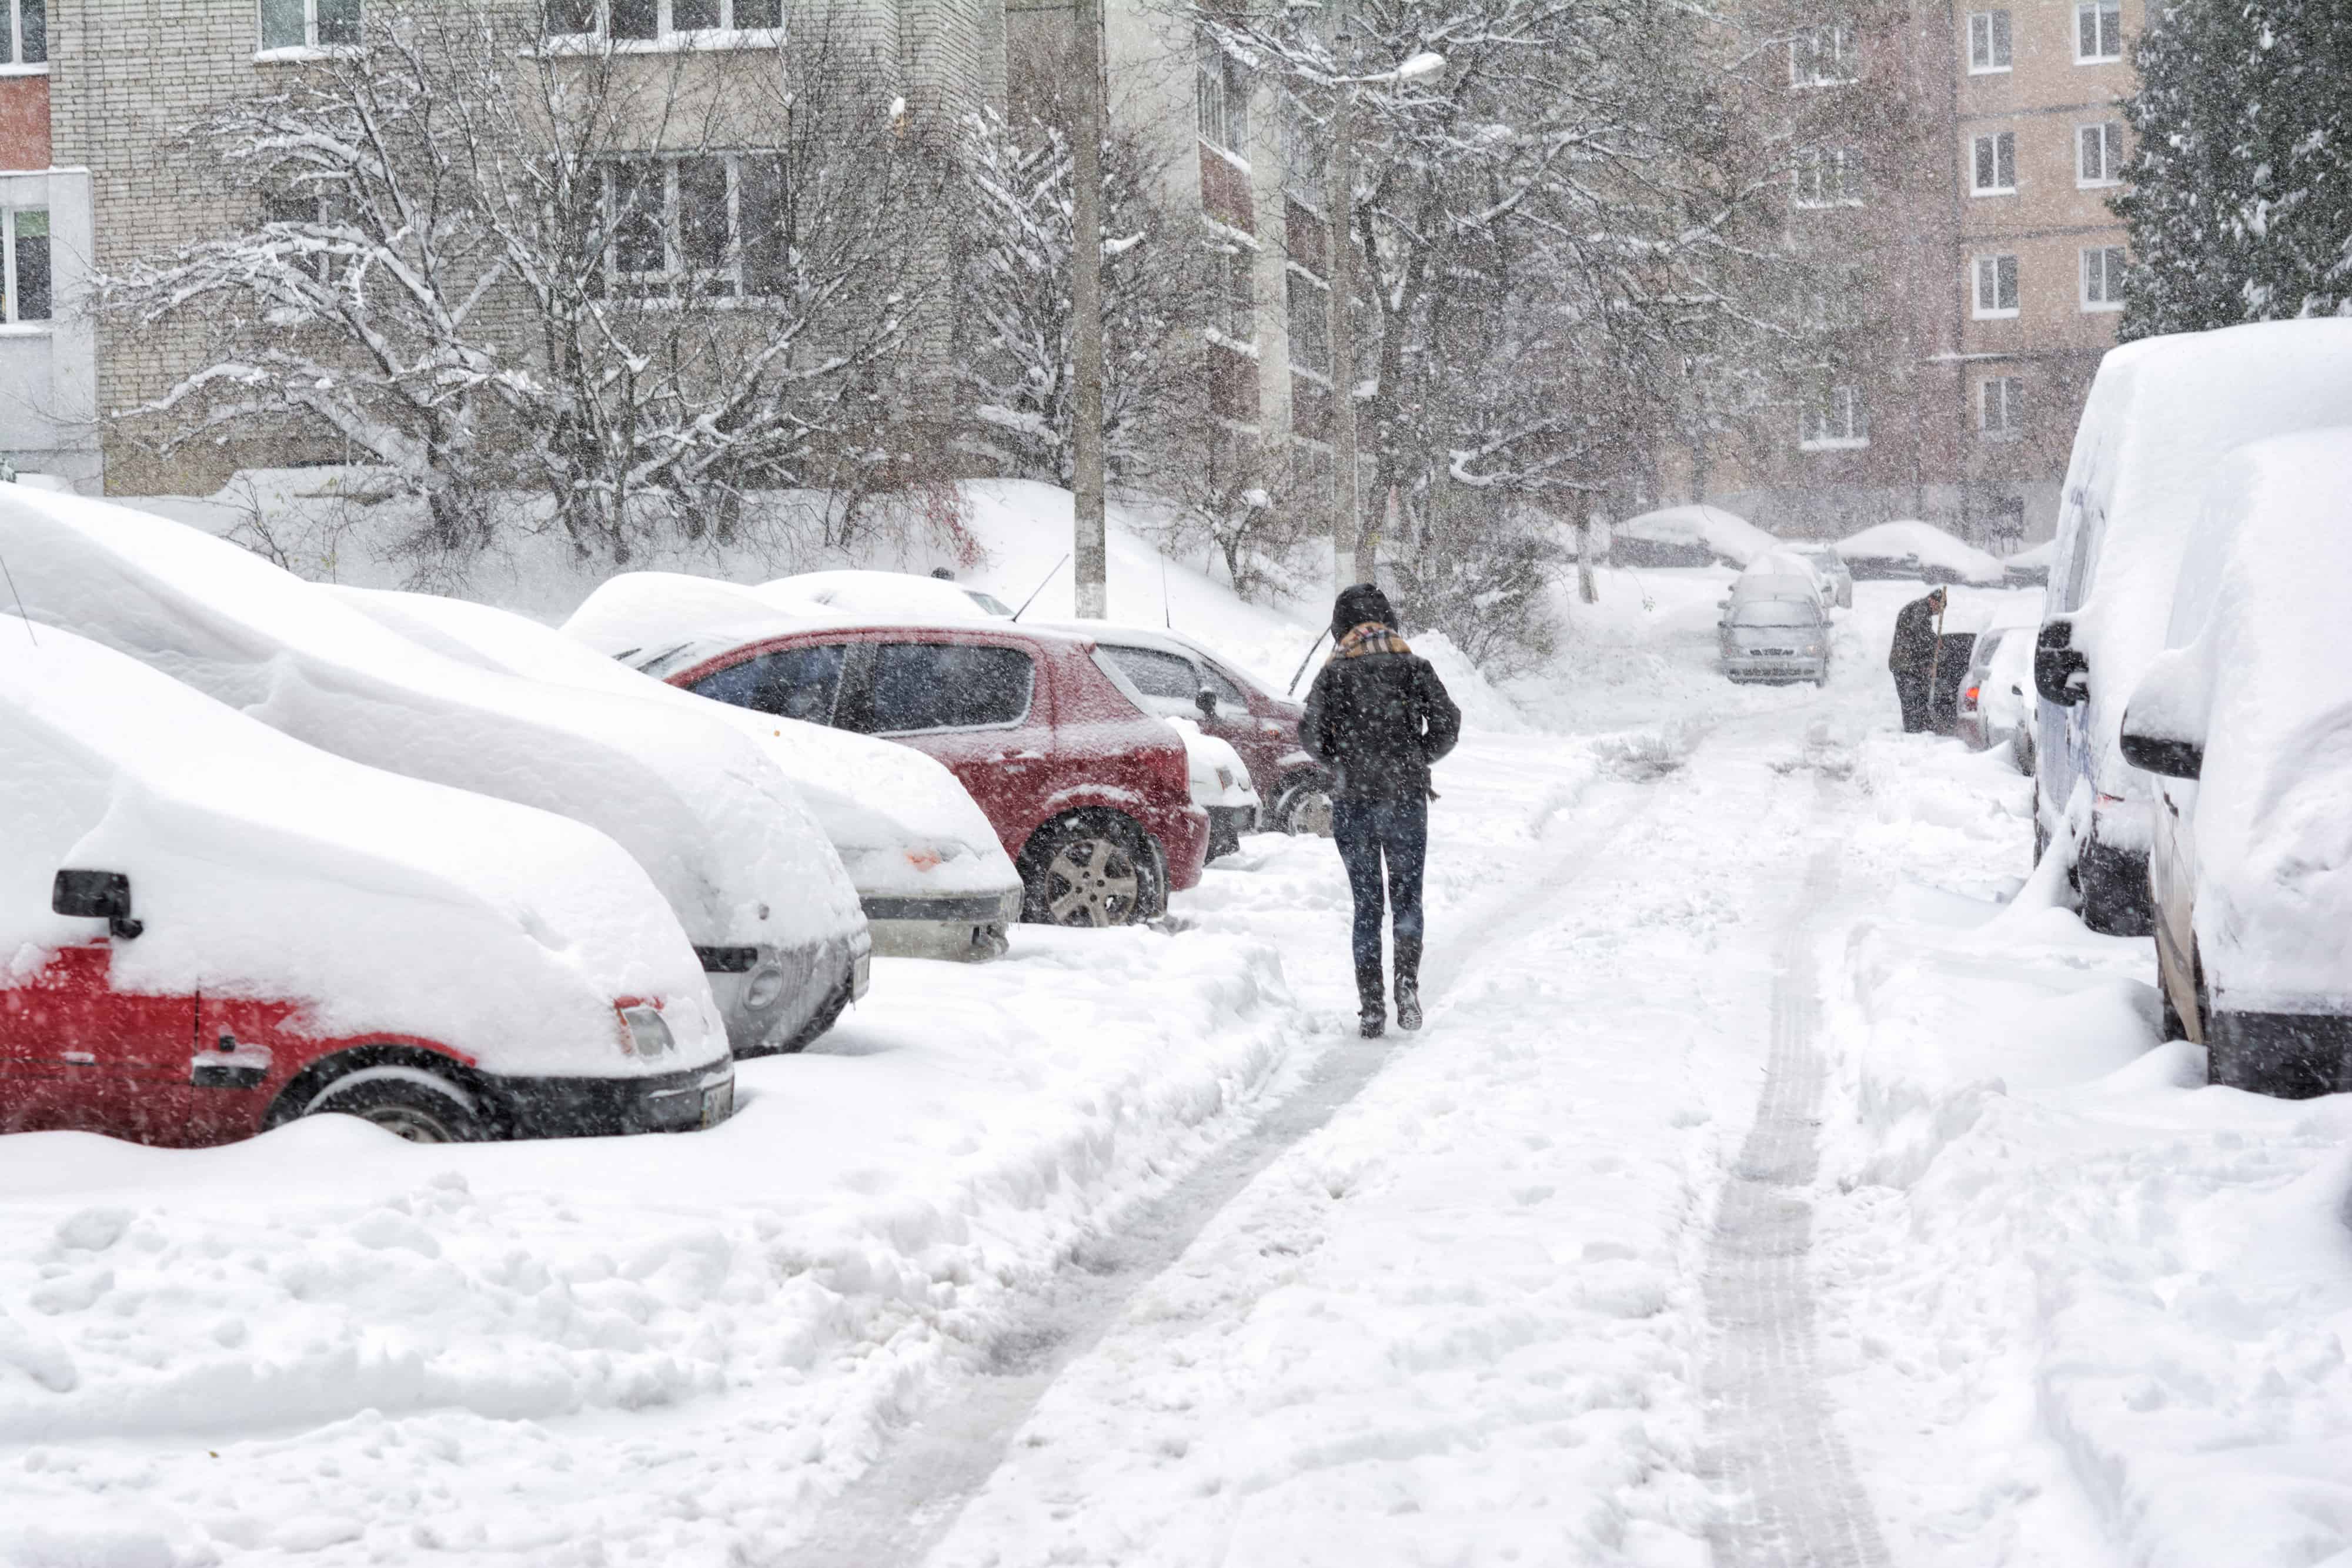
(1221, 786)
(750, 877)
(2244, 723)
(1831, 568)
(1993, 708)
(932, 879)
(212, 929)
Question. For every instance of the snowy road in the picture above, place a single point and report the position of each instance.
(1779, 1181)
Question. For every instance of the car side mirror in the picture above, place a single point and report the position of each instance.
(2167, 758)
(96, 895)
(1206, 701)
(2061, 672)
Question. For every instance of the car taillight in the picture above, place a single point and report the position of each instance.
(644, 1034)
(1971, 694)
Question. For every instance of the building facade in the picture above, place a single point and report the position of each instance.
(48, 356)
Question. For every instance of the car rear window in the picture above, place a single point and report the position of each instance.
(793, 683)
(948, 685)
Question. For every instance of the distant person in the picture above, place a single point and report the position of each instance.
(1377, 717)
(1912, 658)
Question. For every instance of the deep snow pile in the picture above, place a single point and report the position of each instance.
(1913, 548)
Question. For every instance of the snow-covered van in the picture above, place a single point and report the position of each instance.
(2162, 415)
(2244, 724)
(207, 929)
(931, 877)
(750, 877)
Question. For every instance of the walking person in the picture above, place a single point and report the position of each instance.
(1912, 658)
(1377, 717)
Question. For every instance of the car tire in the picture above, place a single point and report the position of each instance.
(1303, 807)
(1092, 869)
(412, 1102)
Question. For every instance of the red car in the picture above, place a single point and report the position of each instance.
(1088, 793)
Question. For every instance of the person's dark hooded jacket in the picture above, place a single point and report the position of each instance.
(1378, 715)
(1914, 649)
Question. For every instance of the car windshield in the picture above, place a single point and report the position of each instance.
(1776, 612)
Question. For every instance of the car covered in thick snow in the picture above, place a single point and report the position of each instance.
(208, 929)
(932, 879)
(893, 594)
(1837, 580)
(1695, 535)
(2245, 723)
(1908, 547)
(1775, 625)
(2162, 415)
(754, 881)
(1089, 794)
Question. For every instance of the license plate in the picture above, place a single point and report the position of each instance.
(862, 977)
(719, 1103)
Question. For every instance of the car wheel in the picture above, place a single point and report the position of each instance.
(419, 1105)
(1087, 871)
(1304, 807)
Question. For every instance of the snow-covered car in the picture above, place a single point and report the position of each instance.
(2244, 722)
(2162, 414)
(211, 929)
(1776, 639)
(895, 594)
(1908, 547)
(1182, 678)
(1694, 535)
(930, 875)
(1221, 786)
(1831, 568)
(1992, 708)
(1090, 795)
(751, 878)
(1780, 575)
(2030, 567)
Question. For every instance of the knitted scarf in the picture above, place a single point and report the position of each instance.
(1371, 637)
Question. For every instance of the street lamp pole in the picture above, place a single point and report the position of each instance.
(1090, 570)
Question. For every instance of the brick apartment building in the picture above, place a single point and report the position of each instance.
(1955, 203)
(94, 92)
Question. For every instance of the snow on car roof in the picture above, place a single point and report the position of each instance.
(891, 593)
(1909, 540)
(257, 862)
(722, 836)
(1727, 534)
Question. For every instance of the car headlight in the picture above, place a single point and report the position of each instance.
(1224, 778)
(644, 1033)
(765, 987)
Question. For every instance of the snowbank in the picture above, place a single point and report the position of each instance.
(1721, 535)
(1908, 547)
(264, 868)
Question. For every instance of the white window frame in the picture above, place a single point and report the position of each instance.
(1998, 141)
(666, 35)
(1825, 177)
(309, 48)
(2110, 268)
(1840, 422)
(2097, 12)
(16, 324)
(1221, 102)
(2003, 396)
(1843, 55)
(2109, 135)
(726, 283)
(1998, 32)
(14, 64)
(1985, 280)
(1320, 374)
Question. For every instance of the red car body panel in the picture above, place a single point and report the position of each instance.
(1080, 744)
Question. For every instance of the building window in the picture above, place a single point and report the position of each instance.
(1996, 287)
(29, 33)
(1987, 42)
(2098, 31)
(1310, 323)
(1306, 159)
(1237, 274)
(1835, 421)
(1826, 177)
(1826, 56)
(714, 225)
(26, 263)
(2099, 154)
(309, 24)
(1993, 165)
(2001, 408)
(2103, 279)
(306, 212)
(643, 21)
(1221, 90)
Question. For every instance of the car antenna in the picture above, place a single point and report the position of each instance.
(19, 599)
(1293, 687)
(1166, 616)
(1039, 588)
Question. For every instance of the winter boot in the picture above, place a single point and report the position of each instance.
(1372, 1012)
(1407, 983)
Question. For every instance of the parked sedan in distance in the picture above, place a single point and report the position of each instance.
(1180, 677)
(2244, 723)
(1831, 568)
(1992, 708)
(930, 876)
(1775, 640)
(212, 929)
(1089, 794)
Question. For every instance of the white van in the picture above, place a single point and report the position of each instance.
(2162, 415)
(208, 929)
(759, 890)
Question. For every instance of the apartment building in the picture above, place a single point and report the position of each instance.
(94, 98)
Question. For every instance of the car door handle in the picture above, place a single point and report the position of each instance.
(79, 1058)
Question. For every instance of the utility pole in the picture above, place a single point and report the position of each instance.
(1088, 548)
(1351, 544)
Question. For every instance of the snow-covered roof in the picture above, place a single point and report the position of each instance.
(1921, 546)
(263, 865)
(891, 594)
(1727, 534)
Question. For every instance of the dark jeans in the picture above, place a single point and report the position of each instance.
(1367, 832)
(1912, 691)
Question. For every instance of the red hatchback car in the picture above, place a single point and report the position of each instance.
(1088, 793)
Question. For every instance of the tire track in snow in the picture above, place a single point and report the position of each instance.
(1798, 1501)
(901, 1507)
